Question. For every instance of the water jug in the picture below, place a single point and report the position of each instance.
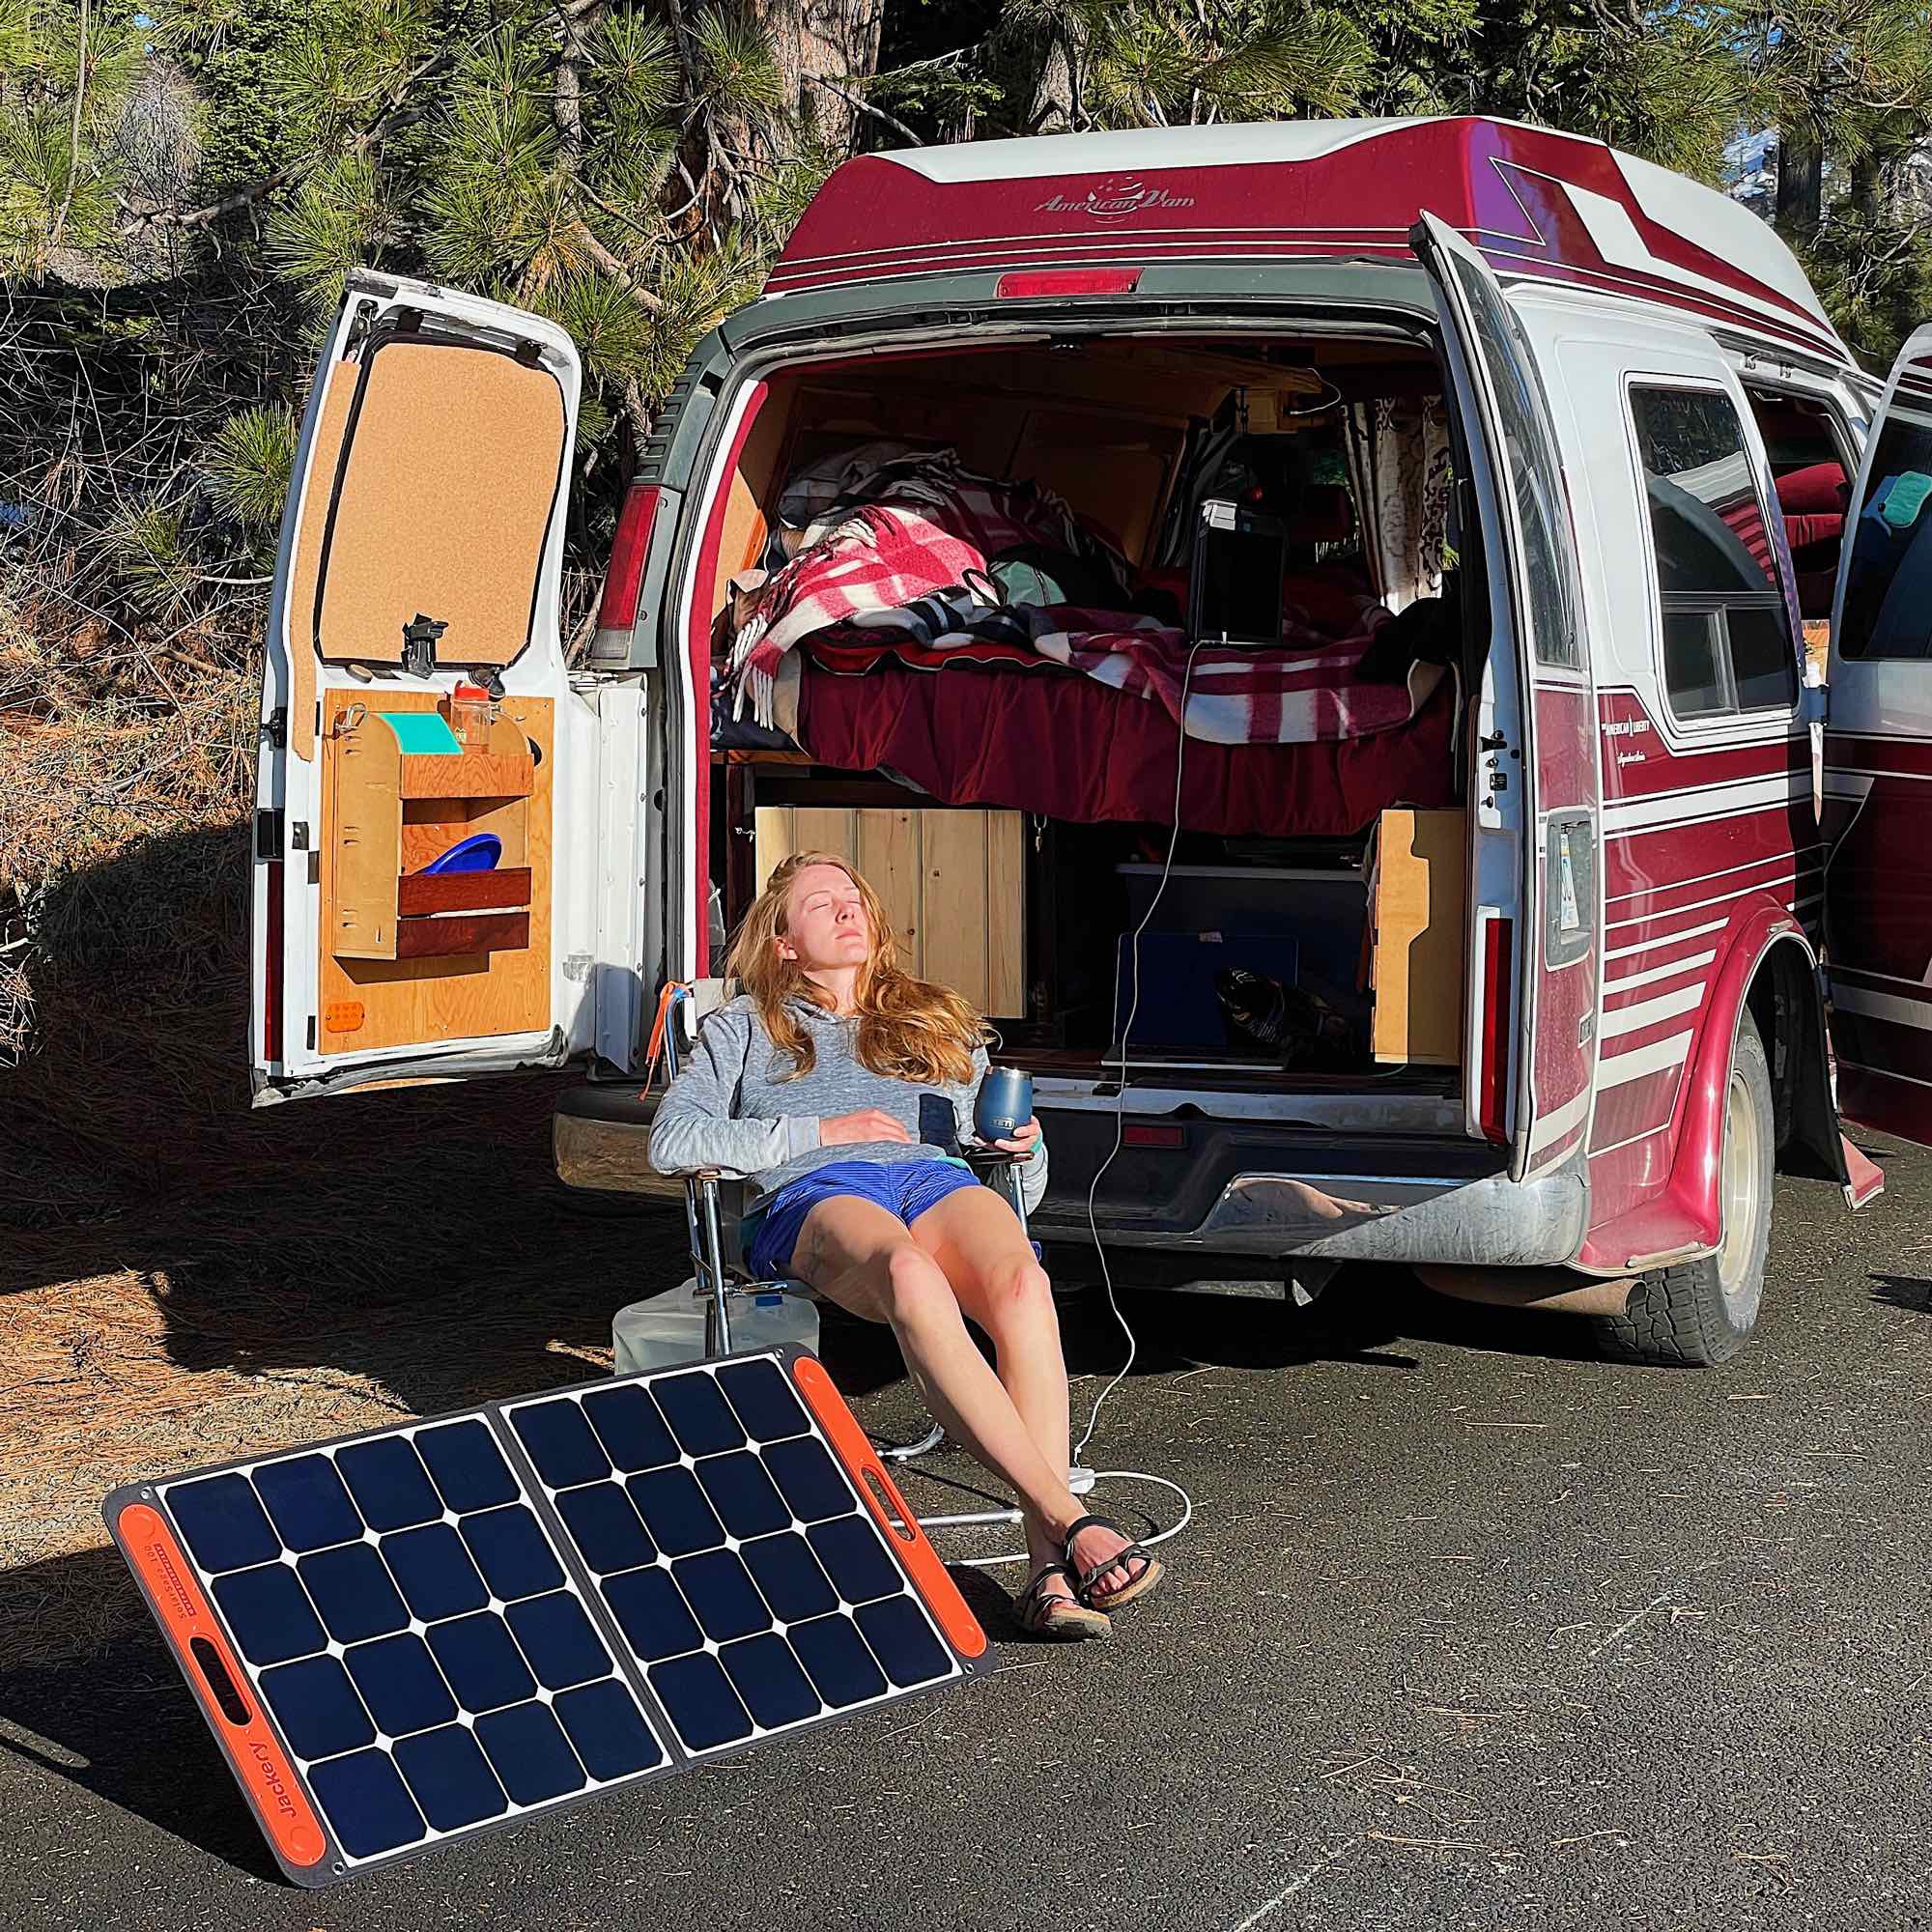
(668, 1330)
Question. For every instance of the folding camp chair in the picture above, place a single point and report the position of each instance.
(713, 1205)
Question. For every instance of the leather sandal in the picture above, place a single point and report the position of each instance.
(1142, 1582)
(1058, 1617)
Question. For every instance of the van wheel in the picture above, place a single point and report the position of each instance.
(1699, 1314)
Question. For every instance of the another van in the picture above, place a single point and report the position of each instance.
(1492, 484)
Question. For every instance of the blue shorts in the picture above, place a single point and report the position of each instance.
(906, 1188)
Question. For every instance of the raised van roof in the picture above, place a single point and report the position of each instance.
(1536, 202)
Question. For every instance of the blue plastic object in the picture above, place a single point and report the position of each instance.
(478, 853)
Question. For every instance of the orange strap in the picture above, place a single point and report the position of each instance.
(654, 1052)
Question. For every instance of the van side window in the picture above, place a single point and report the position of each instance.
(1727, 643)
(1536, 480)
(1888, 587)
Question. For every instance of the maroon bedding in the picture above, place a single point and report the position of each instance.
(1066, 747)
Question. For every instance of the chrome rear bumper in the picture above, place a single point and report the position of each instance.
(1266, 1203)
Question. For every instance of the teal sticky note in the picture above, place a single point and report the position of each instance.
(1906, 497)
(421, 733)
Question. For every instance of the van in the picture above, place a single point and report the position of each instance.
(1503, 962)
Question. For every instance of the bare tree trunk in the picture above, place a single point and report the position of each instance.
(1801, 183)
(823, 39)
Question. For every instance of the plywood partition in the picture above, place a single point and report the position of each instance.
(952, 881)
(374, 1003)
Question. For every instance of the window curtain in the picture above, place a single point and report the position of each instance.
(1399, 468)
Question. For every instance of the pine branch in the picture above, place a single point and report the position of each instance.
(864, 107)
(394, 114)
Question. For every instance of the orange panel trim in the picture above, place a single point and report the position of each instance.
(265, 1772)
(941, 1593)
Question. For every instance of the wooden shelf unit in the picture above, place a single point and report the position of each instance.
(395, 811)
(410, 955)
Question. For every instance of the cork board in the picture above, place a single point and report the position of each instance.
(454, 465)
(376, 1003)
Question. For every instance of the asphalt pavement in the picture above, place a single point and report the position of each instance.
(1471, 1631)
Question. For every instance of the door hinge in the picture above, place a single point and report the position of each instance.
(275, 727)
(268, 835)
(315, 868)
(311, 1033)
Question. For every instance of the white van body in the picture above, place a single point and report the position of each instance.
(1635, 378)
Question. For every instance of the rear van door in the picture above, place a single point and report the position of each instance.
(446, 882)
(1878, 769)
(1535, 803)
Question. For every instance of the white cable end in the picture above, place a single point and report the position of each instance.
(1080, 1481)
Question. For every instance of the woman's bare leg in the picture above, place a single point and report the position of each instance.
(983, 1252)
(867, 1260)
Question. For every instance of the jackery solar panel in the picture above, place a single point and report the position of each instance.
(431, 1631)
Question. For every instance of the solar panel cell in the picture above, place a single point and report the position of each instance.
(608, 1730)
(604, 1525)
(902, 1640)
(854, 1558)
(484, 1667)
(700, 1702)
(789, 1576)
(808, 1479)
(223, 1521)
(699, 1416)
(721, 1594)
(530, 1754)
(629, 1426)
(351, 1587)
(367, 1803)
(675, 1511)
(747, 1501)
(765, 1405)
(270, 1613)
(387, 1479)
(467, 1467)
(557, 1438)
(558, 1640)
(450, 1777)
(767, 1676)
(435, 1573)
(400, 1684)
(651, 1611)
(512, 1551)
(317, 1707)
(306, 1501)
(840, 1660)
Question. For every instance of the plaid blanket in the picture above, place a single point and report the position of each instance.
(906, 571)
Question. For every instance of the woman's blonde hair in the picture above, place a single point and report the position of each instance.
(908, 1029)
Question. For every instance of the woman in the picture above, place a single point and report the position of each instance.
(838, 1083)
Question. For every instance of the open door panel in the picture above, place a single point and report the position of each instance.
(1878, 770)
(443, 810)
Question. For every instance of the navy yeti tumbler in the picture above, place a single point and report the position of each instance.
(1005, 1104)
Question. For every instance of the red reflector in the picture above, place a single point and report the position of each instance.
(1493, 1071)
(1158, 1137)
(1070, 282)
(625, 576)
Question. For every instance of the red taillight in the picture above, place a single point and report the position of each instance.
(1153, 1137)
(1070, 282)
(625, 578)
(272, 967)
(1492, 1070)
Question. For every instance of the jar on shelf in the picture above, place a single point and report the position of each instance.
(471, 713)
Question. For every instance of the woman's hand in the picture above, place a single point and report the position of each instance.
(1023, 1140)
(869, 1124)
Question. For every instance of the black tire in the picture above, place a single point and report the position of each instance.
(1698, 1314)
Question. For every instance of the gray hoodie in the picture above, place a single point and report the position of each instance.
(729, 1109)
